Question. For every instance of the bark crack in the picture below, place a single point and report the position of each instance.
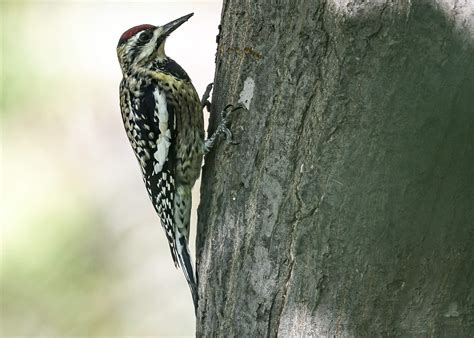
(298, 218)
(285, 294)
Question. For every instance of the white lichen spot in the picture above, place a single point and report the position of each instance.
(452, 310)
(246, 94)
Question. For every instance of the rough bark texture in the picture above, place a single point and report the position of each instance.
(347, 207)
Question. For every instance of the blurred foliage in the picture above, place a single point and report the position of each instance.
(53, 276)
(82, 251)
(28, 80)
(19, 75)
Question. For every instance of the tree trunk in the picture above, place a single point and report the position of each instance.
(347, 207)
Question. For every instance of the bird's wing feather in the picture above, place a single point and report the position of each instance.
(159, 176)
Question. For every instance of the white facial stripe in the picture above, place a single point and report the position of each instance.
(130, 43)
(150, 47)
(145, 51)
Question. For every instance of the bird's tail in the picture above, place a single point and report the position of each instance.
(182, 220)
(187, 265)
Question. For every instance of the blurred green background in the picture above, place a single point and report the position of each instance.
(82, 250)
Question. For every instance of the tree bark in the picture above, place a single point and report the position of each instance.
(347, 207)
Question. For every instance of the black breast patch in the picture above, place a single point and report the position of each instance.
(171, 67)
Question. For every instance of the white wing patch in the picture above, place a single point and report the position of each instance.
(163, 142)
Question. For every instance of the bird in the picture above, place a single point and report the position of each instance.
(163, 119)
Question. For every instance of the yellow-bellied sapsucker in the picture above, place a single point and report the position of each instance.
(163, 118)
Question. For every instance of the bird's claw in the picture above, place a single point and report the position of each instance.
(223, 127)
(229, 109)
(228, 135)
(205, 98)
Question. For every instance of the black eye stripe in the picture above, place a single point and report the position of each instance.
(145, 36)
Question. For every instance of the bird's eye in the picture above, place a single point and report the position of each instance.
(145, 36)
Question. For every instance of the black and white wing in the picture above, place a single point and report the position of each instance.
(159, 173)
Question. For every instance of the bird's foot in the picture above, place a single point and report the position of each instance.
(205, 103)
(223, 127)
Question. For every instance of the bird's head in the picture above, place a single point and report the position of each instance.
(145, 43)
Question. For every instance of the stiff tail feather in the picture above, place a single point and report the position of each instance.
(187, 266)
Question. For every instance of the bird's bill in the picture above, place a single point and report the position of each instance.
(171, 26)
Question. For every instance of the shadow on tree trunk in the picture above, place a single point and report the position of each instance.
(347, 207)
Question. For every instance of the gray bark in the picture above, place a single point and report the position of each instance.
(347, 207)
